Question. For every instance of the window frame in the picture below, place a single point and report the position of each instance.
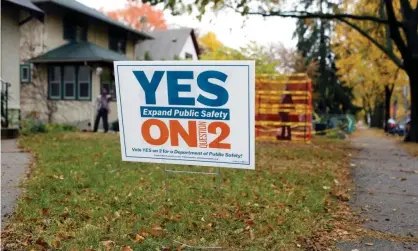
(28, 68)
(116, 36)
(79, 84)
(112, 88)
(50, 82)
(188, 55)
(62, 84)
(70, 26)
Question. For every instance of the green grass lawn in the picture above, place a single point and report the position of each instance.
(81, 196)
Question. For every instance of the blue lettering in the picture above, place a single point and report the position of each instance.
(174, 88)
(217, 90)
(149, 87)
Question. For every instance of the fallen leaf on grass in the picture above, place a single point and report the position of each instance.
(108, 244)
(60, 177)
(66, 236)
(280, 220)
(156, 230)
(43, 244)
(65, 215)
(156, 227)
(239, 230)
(139, 238)
(176, 217)
(56, 243)
(250, 222)
(126, 248)
(145, 234)
(179, 248)
(252, 237)
(116, 215)
(45, 212)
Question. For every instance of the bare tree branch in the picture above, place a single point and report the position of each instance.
(406, 8)
(309, 15)
(394, 23)
(394, 30)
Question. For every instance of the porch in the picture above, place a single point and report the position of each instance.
(66, 83)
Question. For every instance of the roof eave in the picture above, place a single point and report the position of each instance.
(116, 23)
(46, 61)
(32, 9)
(195, 42)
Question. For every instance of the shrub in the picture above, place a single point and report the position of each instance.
(54, 127)
(32, 125)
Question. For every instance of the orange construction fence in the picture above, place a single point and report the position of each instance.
(283, 107)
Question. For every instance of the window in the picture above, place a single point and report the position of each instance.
(107, 82)
(69, 82)
(84, 82)
(188, 56)
(25, 74)
(117, 41)
(75, 29)
(55, 82)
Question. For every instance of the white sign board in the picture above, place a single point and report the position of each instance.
(187, 112)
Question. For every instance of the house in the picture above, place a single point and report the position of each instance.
(170, 44)
(14, 13)
(70, 57)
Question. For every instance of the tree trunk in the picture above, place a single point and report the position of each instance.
(378, 116)
(412, 135)
(388, 96)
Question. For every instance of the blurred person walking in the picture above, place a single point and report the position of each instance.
(102, 106)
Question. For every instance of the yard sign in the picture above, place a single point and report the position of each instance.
(187, 112)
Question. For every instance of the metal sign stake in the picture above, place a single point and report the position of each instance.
(168, 171)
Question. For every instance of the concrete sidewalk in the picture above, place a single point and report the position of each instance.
(14, 163)
(386, 179)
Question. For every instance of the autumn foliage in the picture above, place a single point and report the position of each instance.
(209, 42)
(140, 16)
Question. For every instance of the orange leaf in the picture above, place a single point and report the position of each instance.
(156, 230)
(126, 248)
(108, 244)
(139, 238)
